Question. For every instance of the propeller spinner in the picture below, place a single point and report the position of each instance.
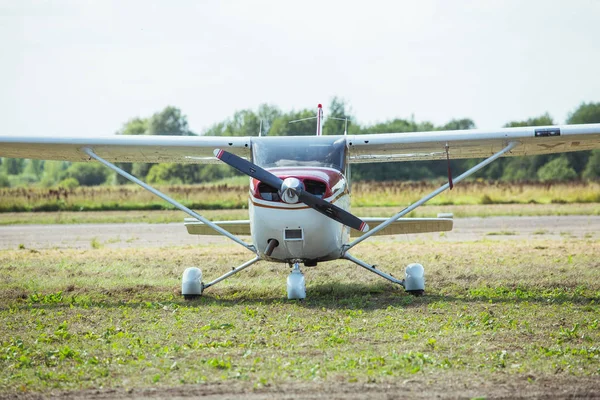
(292, 190)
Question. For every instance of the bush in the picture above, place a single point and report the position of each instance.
(88, 174)
(69, 183)
(558, 169)
(4, 182)
(592, 169)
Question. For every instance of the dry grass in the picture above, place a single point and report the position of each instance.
(227, 196)
(165, 216)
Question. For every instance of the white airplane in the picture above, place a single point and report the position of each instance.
(299, 198)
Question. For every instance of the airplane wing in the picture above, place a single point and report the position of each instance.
(401, 226)
(195, 227)
(149, 149)
(414, 146)
(384, 147)
(408, 225)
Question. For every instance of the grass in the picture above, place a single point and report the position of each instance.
(494, 311)
(165, 216)
(233, 195)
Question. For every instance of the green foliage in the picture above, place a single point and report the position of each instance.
(69, 183)
(88, 174)
(336, 109)
(542, 120)
(172, 173)
(140, 170)
(135, 126)
(558, 169)
(162, 173)
(4, 181)
(13, 166)
(34, 167)
(169, 121)
(54, 172)
(247, 122)
(586, 113)
(592, 169)
(127, 167)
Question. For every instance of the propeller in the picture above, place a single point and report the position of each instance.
(292, 190)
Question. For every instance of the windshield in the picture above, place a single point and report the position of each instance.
(296, 152)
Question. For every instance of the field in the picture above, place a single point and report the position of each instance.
(500, 318)
(506, 313)
(235, 196)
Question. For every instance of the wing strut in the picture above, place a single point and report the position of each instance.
(430, 196)
(168, 199)
(449, 171)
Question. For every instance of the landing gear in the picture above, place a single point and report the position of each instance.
(296, 285)
(191, 283)
(414, 282)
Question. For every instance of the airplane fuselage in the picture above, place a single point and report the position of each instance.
(304, 235)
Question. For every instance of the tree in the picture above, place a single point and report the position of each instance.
(558, 169)
(586, 113)
(521, 168)
(336, 109)
(162, 173)
(13, 166)
(459, 124)
(169, 121)
(54, 172)
(135, 126)
(281, 125)
(88, 174)
(4, 181)
(35, 168)
(592, 169)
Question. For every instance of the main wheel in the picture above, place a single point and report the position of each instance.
(191, 283)
(414, 281)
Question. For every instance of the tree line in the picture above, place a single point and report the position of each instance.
(273, 121)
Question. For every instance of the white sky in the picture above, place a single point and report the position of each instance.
(82, 68)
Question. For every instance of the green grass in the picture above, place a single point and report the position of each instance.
(165, 216)
(494, 311)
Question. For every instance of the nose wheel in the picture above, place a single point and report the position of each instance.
(296, 285)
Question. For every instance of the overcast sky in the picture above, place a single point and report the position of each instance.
(83, 68)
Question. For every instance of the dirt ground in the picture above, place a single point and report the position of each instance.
(421, 388)
(159, 235)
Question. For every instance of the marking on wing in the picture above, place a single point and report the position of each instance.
(550, 146)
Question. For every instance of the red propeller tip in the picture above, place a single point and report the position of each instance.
(364, 227)
(218, 153)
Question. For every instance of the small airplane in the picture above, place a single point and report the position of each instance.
(299, 197)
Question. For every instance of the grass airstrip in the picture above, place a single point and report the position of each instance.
(512, 313)
(525, 311)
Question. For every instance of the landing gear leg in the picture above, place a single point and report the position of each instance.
(415, 278)
(296, 285)
(192, 285)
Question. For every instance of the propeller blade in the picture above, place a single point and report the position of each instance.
(246, 167)
(316, 203)
(332, 211)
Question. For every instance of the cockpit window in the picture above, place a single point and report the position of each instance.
(296, 152)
